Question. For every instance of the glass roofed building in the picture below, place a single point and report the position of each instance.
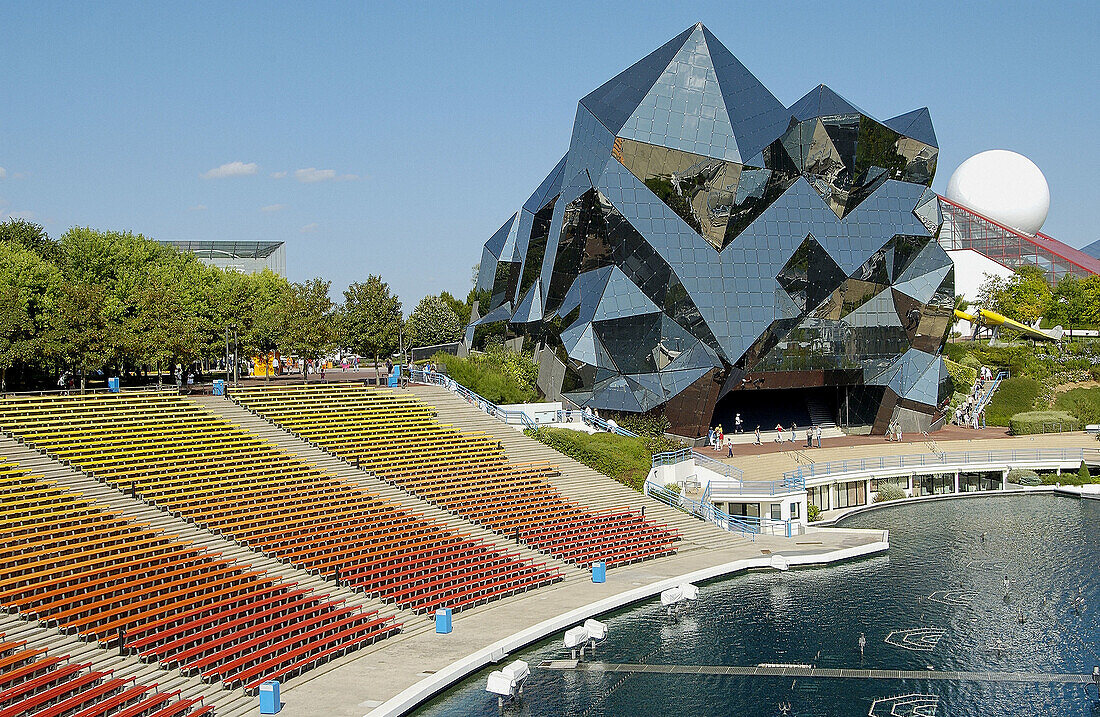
(703, 249)
(248, 257)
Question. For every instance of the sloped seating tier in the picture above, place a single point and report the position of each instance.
(36, 684)
(177, 455)
(103, 577)
(398, 439)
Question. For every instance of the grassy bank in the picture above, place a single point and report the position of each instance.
(622, 458)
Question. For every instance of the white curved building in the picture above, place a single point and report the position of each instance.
(995, 204)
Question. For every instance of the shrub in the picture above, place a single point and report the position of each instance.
(888, 491)
(490, 375)
(971, 361)
(623, 458)
(1015, 395)
(1031, 422)
(1083, 403)
(644, 424)
(1023, 476)
(962, 376)
(813, 513)
(1081, 477)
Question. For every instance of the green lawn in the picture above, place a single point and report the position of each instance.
(623, 458)
(1015, 395)
(1084, 403)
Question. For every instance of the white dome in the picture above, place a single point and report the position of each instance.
(1004, 186)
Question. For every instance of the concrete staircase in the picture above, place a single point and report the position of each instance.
(329, 463)
(227, 703)
(41, 465)
(820, 415)
(574, 480)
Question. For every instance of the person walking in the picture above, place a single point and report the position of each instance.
(710, 437)
(729, 446)
(794, 430)
(810, 437)
(721, 437)
(779, 433)
(757, 441)
(737, 427)
(817, 434)
(898, 424)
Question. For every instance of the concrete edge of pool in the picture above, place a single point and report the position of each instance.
(422, 691)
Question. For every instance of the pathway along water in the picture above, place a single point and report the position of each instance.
(938, 597)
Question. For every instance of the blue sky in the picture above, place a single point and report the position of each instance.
(395, 138)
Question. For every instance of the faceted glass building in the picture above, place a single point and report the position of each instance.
(699, 240)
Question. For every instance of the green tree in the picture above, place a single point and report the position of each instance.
(308, 320)
(28, 290)
(1025, 296)
(432, 322)
(30, 236)
(371, 321)
(270, 298)
(461, 308)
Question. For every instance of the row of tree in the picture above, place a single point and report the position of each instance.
(1026, 296)
(115, 301)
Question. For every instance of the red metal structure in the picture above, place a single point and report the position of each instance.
(965, 229)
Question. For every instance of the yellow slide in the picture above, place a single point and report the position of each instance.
(992, 318)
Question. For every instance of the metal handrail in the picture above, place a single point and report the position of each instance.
(987, 395)
(1005, 456)
(438, 379)
(746, 525)
(736, 482)
(566, 416)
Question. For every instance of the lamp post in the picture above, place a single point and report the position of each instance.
(236, 357)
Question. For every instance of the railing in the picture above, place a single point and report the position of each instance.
(987, 395)
(437, 379)
(735, 483)
(746, 525)
(1001, 457)
(594, 421)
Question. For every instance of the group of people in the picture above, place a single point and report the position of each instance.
(971, 413)
(893, 431)
(717, 438)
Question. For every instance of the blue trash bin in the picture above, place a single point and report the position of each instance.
(112, 384)
(443, 620)
(395, 377)
(219, 387)
(270, 704)
(599, 572)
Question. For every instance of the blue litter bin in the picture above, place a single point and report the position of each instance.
(112, 384)
(599, 572)
(270, 704)
(443, 620)
(219, 387)
(395, 377)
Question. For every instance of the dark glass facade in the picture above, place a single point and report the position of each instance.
(701, 238)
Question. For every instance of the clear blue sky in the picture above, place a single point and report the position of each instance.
(423, 128)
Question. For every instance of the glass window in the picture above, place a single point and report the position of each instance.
(795, 511)
(777, 511)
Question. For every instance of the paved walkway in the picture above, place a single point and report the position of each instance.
(365, 679)
(769, 461)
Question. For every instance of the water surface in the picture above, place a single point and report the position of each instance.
(1047, 547)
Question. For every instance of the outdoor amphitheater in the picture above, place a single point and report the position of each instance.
(172, 555)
